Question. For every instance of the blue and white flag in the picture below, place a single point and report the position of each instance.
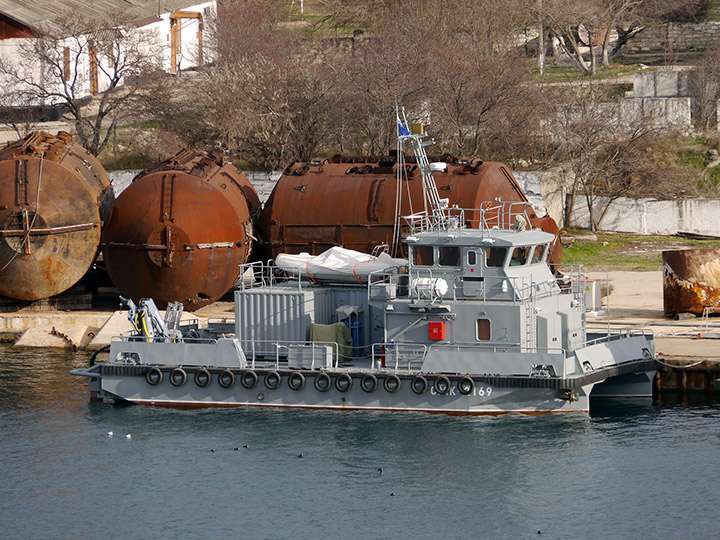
(402, 130)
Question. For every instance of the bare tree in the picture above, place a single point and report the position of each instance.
(18, 113)
(269, 98)
(597, 18)
(477, 79)
(705, 85)
(603, 149)
(93, 69)
(454, 64)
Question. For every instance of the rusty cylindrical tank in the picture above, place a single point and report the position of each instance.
(691, 280)
(180, 230)
(54, 198)
(350, 201)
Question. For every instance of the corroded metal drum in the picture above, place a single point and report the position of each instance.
(351, 202)
(691, 280)
(54, 198)
(180, 230)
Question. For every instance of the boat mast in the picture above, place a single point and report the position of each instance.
(436, 218)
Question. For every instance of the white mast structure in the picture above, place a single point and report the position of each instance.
(434, 216)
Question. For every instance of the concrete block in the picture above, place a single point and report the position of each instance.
(644, 84)
(684, 83)
(678, 112)
(631, 111)
(654, 110)
(666, 83)
(56, 336)
(117, 324)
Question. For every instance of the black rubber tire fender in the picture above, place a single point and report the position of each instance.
(272, 380)
(419, 384)
(174, 374)
(154, 376)
(202, 377)
(249, 379)
(465, 385)
(391, 383)
(226, 379)
(369, 383)
(441, 385)
(326, 385)
(343, 382)
(296, 381)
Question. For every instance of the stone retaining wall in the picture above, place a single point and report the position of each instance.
(674, 37)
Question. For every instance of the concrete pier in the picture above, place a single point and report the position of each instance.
(688, 348)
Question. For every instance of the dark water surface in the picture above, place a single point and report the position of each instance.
(634, 471)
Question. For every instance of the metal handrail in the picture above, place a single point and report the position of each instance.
(620, 334)
(494, 216)
(137, 338)
(498, 347)
(263, 347)
(419, 350)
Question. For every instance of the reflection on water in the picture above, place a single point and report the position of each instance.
(625, 471)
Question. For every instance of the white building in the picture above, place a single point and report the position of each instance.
(170, 30)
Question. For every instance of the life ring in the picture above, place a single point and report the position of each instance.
(178, 377)
(273, 380)
(202, 377)
(442, 385)
(153, 376)
(369, 383)
(226, 379)
(249, 379)
(322, 382)
(419, 384)
(343, 382)
(296, 381)
(391, 383)
(465, 385)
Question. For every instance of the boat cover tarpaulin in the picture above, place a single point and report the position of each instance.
(338, 264)
(334, 333)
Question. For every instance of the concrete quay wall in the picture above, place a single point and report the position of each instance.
(16, 323)
(651, 216)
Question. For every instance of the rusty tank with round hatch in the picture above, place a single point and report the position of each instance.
(180, 230)
(54, 198)
(351, 201)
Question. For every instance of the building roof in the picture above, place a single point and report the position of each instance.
(41, 15)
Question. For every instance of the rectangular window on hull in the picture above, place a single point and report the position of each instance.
(483, 329)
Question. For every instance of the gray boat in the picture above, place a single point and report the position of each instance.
(473, 322)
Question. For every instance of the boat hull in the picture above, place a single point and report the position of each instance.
(323, 390)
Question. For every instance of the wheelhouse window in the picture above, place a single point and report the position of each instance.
(519, 256)
(423, 256)
(495, 256)
(449, 256)
(483, 330)
(538, 254)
